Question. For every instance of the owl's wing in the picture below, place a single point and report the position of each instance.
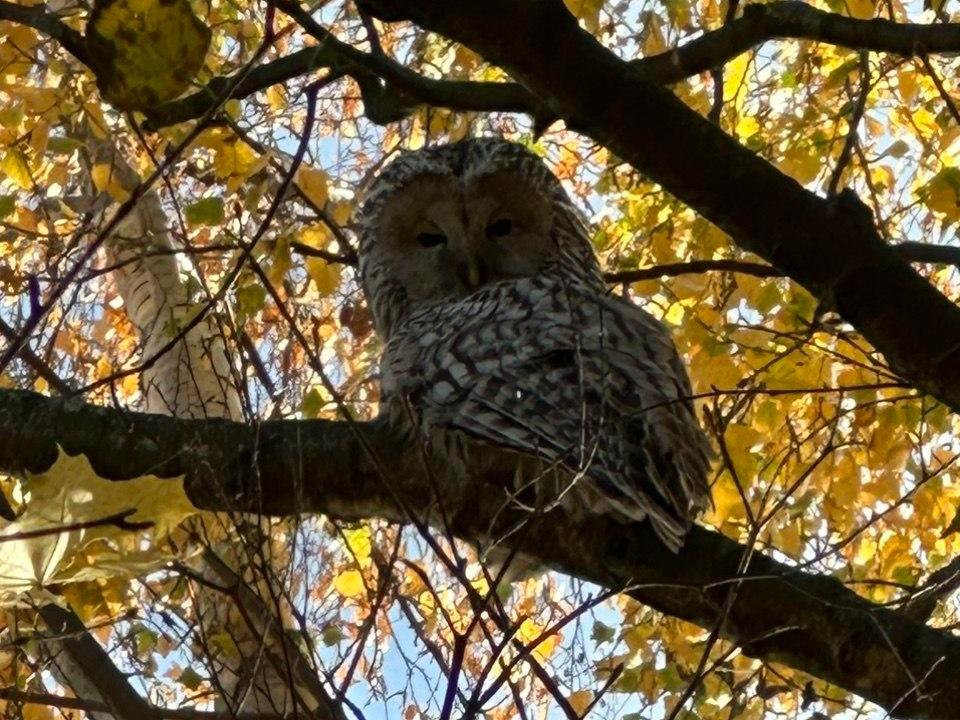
(662, 440)
(568, 376)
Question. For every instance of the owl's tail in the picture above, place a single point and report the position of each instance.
(666, 461)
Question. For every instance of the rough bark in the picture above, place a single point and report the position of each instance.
(810, 622)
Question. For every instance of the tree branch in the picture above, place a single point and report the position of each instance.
(37, 17)
(831, 247)
(691, 267)
(385, 100)
(799, 21)
(392, 91)
(810, 622)
(911, 251)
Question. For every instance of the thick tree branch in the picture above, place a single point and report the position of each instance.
(810, 622)
(829, 246)
(910, 251)
(391, 91)
(87, 667)
(797, 20)
(37, 17)
(387, 98)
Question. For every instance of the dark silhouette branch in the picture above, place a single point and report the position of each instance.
(37, 17)
(788, 19)
(392, 91)
(910, 251)
(692, 267)
(810, 622)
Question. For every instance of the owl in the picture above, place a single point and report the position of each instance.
(501, 339)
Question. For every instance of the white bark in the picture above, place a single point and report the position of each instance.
(197, 377)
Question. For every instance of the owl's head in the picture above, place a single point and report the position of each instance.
(442, 222)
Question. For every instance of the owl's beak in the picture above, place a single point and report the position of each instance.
(474, 275)
(472, 269)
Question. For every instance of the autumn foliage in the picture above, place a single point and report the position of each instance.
(255, 128)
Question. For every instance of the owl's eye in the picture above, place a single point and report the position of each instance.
(429, 240)
(499, 228)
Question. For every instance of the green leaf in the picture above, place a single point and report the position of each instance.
(14, 165)
(250, 300)
(190, 678)
(225, 643)
(145, 52)
(601, 633)
(208, 211)
(145, 641)
(312, 404)
(63, 145)
(7, 205)
(12, 116)
(331, 635)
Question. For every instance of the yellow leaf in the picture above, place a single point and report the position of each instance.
(235, 161)
(747, 126)
(586, 10)
(637, 638)
(276, 98)
(14, 166)
(145, 52)
(862, 9)
(942, 193)
(340, 211)
(801, 165)
(316, 236)
(37, 712)
(349, 583)
(70, 493)
(653, 42)
(106, 180)
(734, 76)
(580, 700)
(313, 183)
(866, 550)
(744, 443)
(528, 633)
(674, 315)
(360, 544)
(427, 604)
(39, 100)
(720, 371)
(326, 276)
(788, 539)
(96, 121)
(281, 260)
(845, 488)
(727, 504)
(907, 84)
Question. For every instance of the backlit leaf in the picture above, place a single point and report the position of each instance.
(145, 52)
(14, 165)
(208, 211)
(313, 183)
(350, 584)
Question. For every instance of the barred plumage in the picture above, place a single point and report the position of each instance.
(498, 329)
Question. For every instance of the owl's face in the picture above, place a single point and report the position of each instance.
(441, 222)
(445, 237)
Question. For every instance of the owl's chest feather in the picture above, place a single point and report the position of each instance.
(447, 348)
